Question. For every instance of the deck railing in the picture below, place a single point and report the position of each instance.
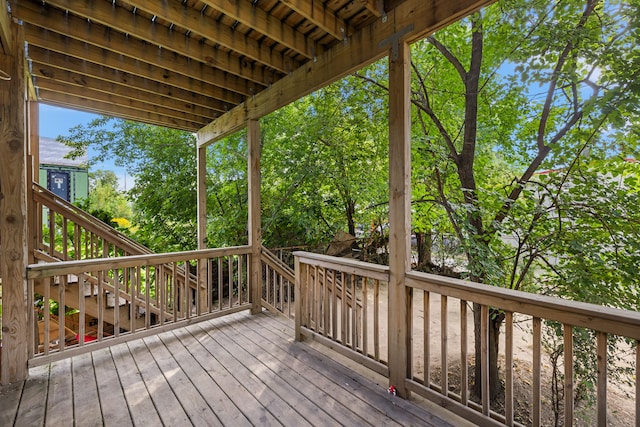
(442, 336)
(65, 232)
(131, 296)
(278, 281)
(339, 301)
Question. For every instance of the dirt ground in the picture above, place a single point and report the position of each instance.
(620, 400)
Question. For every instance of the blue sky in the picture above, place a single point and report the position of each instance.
(56, 121)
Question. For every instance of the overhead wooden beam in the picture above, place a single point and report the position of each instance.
(118, 99)
(85, 104)
(320, 16)
(199, 23)
(135, 26)
(101, 37)
(75, 48)
(376, 7)
(259, 20)
(411, 20)
(47, 60)
(103, 90)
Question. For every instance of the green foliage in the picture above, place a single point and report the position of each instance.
(163, 162)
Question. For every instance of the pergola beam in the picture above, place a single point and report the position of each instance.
(410, 21)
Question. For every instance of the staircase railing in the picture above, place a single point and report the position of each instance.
(278, 282)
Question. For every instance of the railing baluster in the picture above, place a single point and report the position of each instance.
(444, 337)
(46, 313)
(484, 349)
(116, 305)
(568, 375)
(376, 319)
(508, 381)
(82, 282)
(365, 316)
(230, 261)
(537, 371)
(62, 286)
(220, 280)
(637, 383)
(426, 325)
(354, 313)
(602, 379)
(325, 303)
(344, 319)
(464, 354)
(334, 307)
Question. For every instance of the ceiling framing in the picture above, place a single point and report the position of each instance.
(185, 63)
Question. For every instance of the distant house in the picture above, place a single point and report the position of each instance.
(68, 179)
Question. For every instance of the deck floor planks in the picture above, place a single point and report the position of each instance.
(320, 391)
(32, 410)
(365, 389)
(166, 403)
(236, 371)
(312, 411)
(283, 410)
(10, 402)
(318, 377)
(112, 400)
(192, 402)
(86, 401)
(141, 407)
(59, 402)
(235, 391)
(217, 400)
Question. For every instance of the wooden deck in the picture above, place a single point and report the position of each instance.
(237, 370)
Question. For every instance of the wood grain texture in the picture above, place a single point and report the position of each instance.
(239, 370)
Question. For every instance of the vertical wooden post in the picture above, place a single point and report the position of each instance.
(34, 139)
(255, 218)
(399, 216)
(202, 197)
(204, 277)
(13, 211)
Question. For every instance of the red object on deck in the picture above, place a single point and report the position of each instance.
(87, 338)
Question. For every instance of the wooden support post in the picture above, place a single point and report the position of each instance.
(202, 197)
(399, 216)
(13, 211)
(255, 218)
(204, 277)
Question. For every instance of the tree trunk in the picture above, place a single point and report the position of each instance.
(496, 318)
(423, 241)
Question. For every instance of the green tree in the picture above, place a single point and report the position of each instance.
(163, 162)
(482, 130)
(105, 201)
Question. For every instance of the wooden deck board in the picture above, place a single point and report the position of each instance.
(59, 403)
(86, 401)
(239, 370)
(112, 399)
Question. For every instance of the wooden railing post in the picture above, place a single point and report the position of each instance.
(298, 297)
(399, 214)
(13, 209)
(255, 219)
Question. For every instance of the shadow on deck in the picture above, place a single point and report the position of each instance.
(237, 370)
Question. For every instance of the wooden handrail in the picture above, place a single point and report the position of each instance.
(87, 221)
(592, 316)
(35, 271)
(347, 265)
